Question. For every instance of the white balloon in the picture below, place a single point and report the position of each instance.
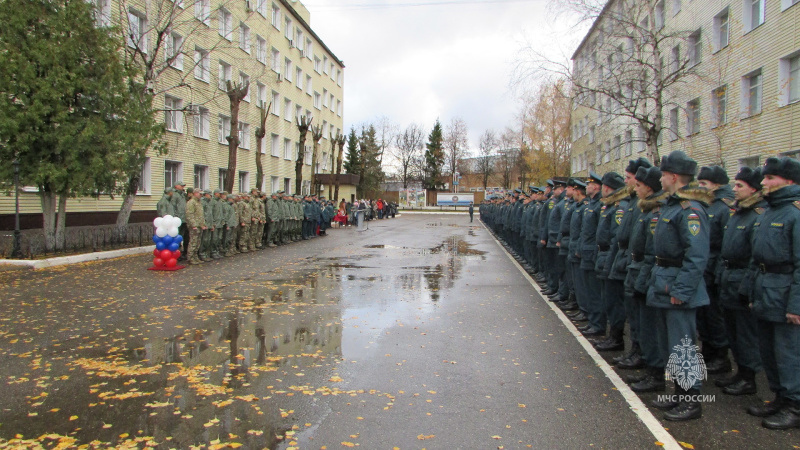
(158, 222)
(173, 231)
(168, 218)
(161, 231)
(176, 222)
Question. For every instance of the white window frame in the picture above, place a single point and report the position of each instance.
(309, 85)
(261, 7)
(173, 114)
(317, 65)
(287, 110)
(275, 143)
(693, 117)
(102, 13)
(288, 72)
(750, 23)
(145, 178)
(261, 91)
(244, 135)
(137, 30)
(202, 122)
(174, 49)
(244, 37)
(276, 103)
(695, 52)
(261, 50)
(275, 63)
(223, 129)
(722, 29)
(674, 124)
(288, 149)
(224, 75)
(786, 4)
(244, 181)
(202, 65)
(245, 78)
(788, 79)
(275, 19)
(752, 101)
(200, 177)
(719, 106)
(222, 176)
(225, 19)
(299, 78)
(173, 172)
(202, 11)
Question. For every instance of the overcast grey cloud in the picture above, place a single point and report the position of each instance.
(416, 60)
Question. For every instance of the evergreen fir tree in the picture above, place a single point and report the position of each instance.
(434, 157)
(352, 163)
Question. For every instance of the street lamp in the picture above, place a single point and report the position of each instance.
(16, 251)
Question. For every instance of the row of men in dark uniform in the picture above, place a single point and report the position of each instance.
(681, 257)
(218, 224)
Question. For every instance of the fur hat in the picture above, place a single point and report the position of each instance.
(678, 163)
(634, 164)
(613, 180)
(750, 176)
(785, 167)
(714, 174)
(651, 176)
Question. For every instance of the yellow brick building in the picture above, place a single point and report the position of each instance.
(737, 105)
(268, 43)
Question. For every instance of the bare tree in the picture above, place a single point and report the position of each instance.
(456, 144)
(261, 131)
(339, 140)
(303, 124)
(236, 93)
(486, 156)
(630, 68)
(386, 130)
(408, 153)
(316, 135)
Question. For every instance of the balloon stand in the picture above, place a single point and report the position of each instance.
(168, 244)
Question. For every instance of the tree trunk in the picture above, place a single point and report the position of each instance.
(303, 124)
(49, 219)
(260, 133)
(235, 95)
(124, 214)
(61, 222)
(340, 143)
(316, 134)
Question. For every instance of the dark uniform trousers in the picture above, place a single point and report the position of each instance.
(779, 344)
(593, 288)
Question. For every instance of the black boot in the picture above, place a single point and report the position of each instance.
(785, 419)
(634, 361)
(686, 409)
(634, 349)
(654, 382)
(727, 380)
(746, 384)
(637, 377)
(667, 404)
(767, 409)
(719, 362)
(614, 341)
(579, 316)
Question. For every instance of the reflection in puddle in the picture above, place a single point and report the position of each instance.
(233, 366)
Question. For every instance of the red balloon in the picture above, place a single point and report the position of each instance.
(158, 262)
(156, 253)
(176, 254)
(166, 254)
(172, 262)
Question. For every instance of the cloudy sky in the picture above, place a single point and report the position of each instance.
(416, 60)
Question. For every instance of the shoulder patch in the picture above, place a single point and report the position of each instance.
(729, 202)
(796, 204)
(759, 210)
(685, 204)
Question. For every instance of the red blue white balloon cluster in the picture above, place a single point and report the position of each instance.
(167, 240)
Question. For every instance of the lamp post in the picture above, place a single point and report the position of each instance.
(16, 251)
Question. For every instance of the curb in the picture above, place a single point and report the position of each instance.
(434, 212)
(75, 259)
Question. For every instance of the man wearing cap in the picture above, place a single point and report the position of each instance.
(588, 245)
(195, 220)
(256, 230)
(570, 243)
(306, 228)
(208, 215)
(615, 197)
(734, 282)
(219, 225)
(677, 288)
(775, 294)
(621, 261)
(565, 298)
(245, 221)
(179, 199)
(643, 258)
(539, 265)
(549, 237)
(710, 322)
(164, 206)
(273, 218)
(230, 223)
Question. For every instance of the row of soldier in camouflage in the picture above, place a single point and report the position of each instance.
(218, 224)
(679, 261)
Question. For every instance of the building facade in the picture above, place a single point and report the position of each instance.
(723, 74)
(268, 44)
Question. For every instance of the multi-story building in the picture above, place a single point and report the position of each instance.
(268, 44)
(723, 75)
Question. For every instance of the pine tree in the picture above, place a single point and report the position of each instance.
(352, 164)
(434, 157)
(371, 172)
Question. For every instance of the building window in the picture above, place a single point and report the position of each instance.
(789, 79)
(276, 184)
(306, 154)
(288, 31)
(316, 100)
(719, 97)
(102, 13)
(202, 65)
(695, 48)
(276, 106)
(324, 129)
(223, 129)
(339, 77)
(673, 124)
(137, 30)
(339, 108)
(145, 180)
(201, 122)
(641, 137)
(628, 143)
(659, 15)
(287, 110)
(261, 7)
(275, 145)
(262, 96)
(173, 51)
(752, 14)
(261, 50)
(287, 185)
(244, 37)
(276, 16)
(325, 64)
(244, 135)
(244, 80)
(173, 171)
(751, 162)
(201, 177)
(244, 181)
(693, 117)
(675, 58)
(288, 71)
(309, 48)
(202, 11)
(298, 112)
(224, 75)
(607, 152)
(276, 60)
(309, 85)
(721, 30)
(676, 7)
(751, 94)
(317, 65)
(225, 24)
(173, 114)
(223, 176)
(287, 149)
(785, 4)
(617, 147)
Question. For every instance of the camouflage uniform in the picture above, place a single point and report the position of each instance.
(208, 213)
(219, 225)
(231, 224)
(245, 220)
(164, 206)
(195, 221)
(273, 217)
(253, 241)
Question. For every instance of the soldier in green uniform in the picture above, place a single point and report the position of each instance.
(219, 225)
(208, 233)
(273, 219)
(230, 219)
(245, 221)
(164, 206)
(254, 239)
(195, 221)
(775, 293)
(179, 199)
(264, 220)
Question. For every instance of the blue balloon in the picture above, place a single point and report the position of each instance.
(174, 246)
(167, 240)
(178, 239)
(160, 245)
(156, 239)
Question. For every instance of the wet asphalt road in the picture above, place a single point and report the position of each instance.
(419, 333)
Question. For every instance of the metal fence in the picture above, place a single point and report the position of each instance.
(79, 240)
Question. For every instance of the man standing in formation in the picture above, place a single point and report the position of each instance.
(680, 261)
